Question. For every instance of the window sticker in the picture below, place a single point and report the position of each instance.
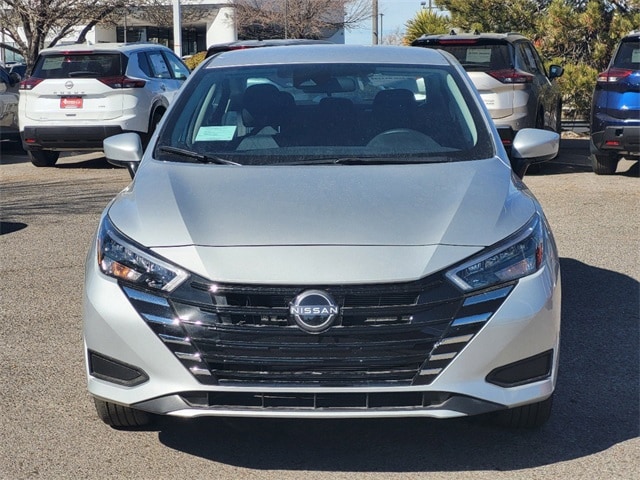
(479, 55)
(159, 66)
(635, 56)
(222, 133)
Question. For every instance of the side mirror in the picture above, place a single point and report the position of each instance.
(555, 71)
(124, 150)
(532, 145)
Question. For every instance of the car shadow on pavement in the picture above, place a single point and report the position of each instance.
(574, 158)
(595, 408)
(10, 227)
(91, 163)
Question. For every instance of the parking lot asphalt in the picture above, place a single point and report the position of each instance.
(49, 429)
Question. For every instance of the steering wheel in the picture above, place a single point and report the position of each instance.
(405, 137)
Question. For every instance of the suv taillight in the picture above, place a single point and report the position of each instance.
(122, 82)
(613, 75)
(511, 76)
(29, 83)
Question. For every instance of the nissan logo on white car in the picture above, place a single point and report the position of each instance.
(314, 310)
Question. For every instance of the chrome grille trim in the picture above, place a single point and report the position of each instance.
(175, 340)
(460, 339)
(242, 336)
(488, 296)
(194, 357)
(200, 371)
(443, 356)
(458, 322)
(146, 297)
(158, 319)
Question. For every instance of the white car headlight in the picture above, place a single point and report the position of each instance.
(119, 258)
(517, 256)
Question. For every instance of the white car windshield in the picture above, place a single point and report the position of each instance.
(322, 113)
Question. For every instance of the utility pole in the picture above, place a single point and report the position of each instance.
(286, 18)
(374, 23)
(177, 29)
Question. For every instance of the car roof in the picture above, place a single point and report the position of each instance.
(635, 35)
(507, 37)
(103, 47)
(332, 53)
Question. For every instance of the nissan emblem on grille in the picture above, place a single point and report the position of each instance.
(314, 310)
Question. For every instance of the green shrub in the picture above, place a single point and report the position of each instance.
(194, 60)
(577, 86)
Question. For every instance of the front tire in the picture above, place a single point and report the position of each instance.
(119, 416)
(533, 415)
(43, 158)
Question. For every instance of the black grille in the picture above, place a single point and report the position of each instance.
(315, 401)
(385, 335)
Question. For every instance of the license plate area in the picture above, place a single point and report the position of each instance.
(70, 102)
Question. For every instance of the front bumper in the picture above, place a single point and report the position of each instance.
(525, 326)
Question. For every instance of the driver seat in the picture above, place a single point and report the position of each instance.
(394, 109)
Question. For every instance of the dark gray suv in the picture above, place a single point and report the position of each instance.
(8, 105)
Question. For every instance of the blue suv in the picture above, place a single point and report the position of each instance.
(615, 109)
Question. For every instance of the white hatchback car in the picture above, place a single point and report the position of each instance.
(78, 95)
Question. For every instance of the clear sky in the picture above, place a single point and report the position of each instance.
(395, 14)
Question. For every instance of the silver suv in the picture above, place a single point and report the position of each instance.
(78, 95)
(8, 104)
(510, 76)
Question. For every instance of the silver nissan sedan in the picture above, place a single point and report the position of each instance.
(324, 231)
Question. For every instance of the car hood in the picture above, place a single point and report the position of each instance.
(176, 208)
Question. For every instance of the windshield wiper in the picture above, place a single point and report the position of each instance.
(355, 161)
(196, 156)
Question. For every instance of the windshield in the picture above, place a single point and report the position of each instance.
(479, 56)
(317, 113)
(628, 55)
(85, 65)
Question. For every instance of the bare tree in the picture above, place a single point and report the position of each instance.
(27, 26)
(45, 22)
(312, 19)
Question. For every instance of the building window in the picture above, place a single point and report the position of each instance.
(194, 39)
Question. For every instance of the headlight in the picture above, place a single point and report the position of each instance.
(119, 258)
(518, 256)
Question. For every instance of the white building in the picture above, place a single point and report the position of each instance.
(204, 22)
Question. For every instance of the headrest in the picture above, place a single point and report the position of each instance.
(261, 105)
(396, 99)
